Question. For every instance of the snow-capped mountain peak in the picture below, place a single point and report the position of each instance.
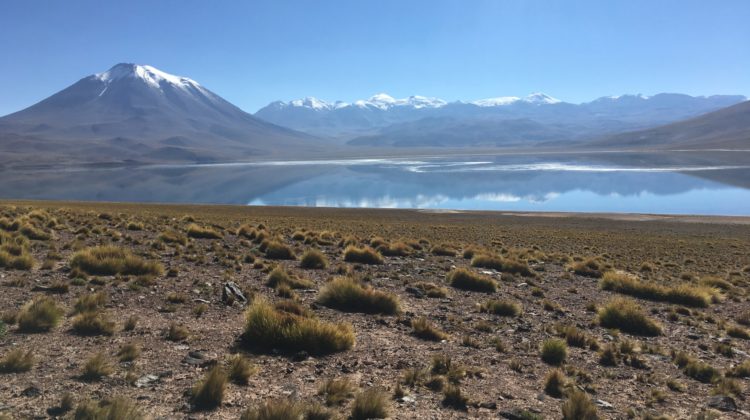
(541, 98)
(499, 101)
(148, 74)
(311, 102)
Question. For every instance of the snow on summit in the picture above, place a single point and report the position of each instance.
(150, 75)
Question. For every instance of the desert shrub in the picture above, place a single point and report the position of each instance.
(267, 329)
(209, 392)
(370, 404)
(110, 260)
(396, 249)
(117, 408)
(626, 315)
(554, 351)
(443, 250)
(347, 294)
(609, 356)
(587, 268)
(465, 279)
(313, 258)
(426, 331)
(573, 336)
(173, 237)
(200, 232)
(89, 303)
(738, 332)
(32, 232)
(40, 315)
(96, 368)
(554, 383)
(336, 391)
(498, 263)
(364, 255)
(501, 307)
(701, 371)
(579, 406)
(278, 251)
(276, 410)
(240, 369)
(177, 332)
(23, 261)
(630, 285)
(128, 353)
(742, 370)
(278, 277)
(432, 290)
(93, 323)
(16, 361)
(454, 398)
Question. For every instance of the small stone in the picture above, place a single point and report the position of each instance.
(145, 380)
(604, 404)
(31, 391)
(722, 403)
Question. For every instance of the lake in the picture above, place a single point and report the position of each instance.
(711, 183)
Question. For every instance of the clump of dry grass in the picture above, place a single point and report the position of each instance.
(109, 409)
(501, 307)
(276, 250)
(17, 361)
(506, 265)
(454, 398)
(425, 330)
(89, 303)
(347, 294)
(173, 237)
(554, 351)
(587, 268)
(336, 391)
(278, 277)
(684, 294)
(267, 329)
(286, 410)
(40, 315)
(240, 369)
(200, 232)
(313, 259)
(93, 323)
(462, 278)
(209, 392)
(370, 404)
(177, 332)
(626, 315)
(96, 368)
(432, 290)
(364, 255)
(129, 352)
(736, 331)
(396, 249)
(554, 383)
(579, 406)
(443, 250)
(110, 260)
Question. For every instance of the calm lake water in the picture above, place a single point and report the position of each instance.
(686, 183)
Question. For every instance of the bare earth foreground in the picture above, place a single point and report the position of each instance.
(631, 316)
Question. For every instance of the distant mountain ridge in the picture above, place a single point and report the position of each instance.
(137, 112)
(381, 114)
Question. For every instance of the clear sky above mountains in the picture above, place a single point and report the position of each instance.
(254, 52)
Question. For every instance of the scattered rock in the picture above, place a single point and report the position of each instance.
(145, 380)
(31, 391)
(722, 403)
(232, 293)
(603, 404)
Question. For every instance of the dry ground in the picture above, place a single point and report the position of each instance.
(503, 382)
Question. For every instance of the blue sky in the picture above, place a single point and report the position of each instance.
(254, 52)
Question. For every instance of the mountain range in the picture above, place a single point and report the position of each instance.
(141, 114)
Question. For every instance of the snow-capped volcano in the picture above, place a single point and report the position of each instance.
(133, 110)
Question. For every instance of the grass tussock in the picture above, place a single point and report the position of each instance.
(396, 249)
(313, 259)
(23, 261)
(173, 237)
(117, 408)
(240, 369)
(93, 323)
(626, 315)
(40, 315)
(579, 406)
(370, 404)
(554, 383)
(286, 410)
(443, 250)
(268, 329)
(336, 391)
(111, 260)
(177, 332)
(501, 307)
(506, 265)
(627, 284)
(96, 368)
(347, 294)
(432, 290)
(454, 398)
(201, 232)
(587, 268)
(208, 393)
(364, 255)
(425, 330)
(279, 277)
(554, 351)
(462, 278)
(17, 361)
(128, 352)
(89, 303)
(276, 250)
